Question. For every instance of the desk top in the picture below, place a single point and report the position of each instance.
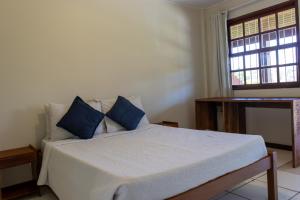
(250, 99)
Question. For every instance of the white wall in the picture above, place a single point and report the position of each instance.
(273, 124)
(53, 50)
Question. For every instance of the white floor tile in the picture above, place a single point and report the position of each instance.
(286, 180)
(259, 175)
(232, 197)
(257, 190)
(297, 197)
(219, 196)
(47, 194)
(43, 197)
(241, 184)
(283, 156)
(289, 168)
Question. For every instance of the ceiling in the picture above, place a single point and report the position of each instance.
(204, 3)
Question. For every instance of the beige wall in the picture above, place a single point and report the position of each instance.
(273, 124)
(53, 50)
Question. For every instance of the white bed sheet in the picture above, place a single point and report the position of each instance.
(155, 162)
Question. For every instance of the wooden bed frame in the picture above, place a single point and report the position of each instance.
(226, 182)
(217, 186)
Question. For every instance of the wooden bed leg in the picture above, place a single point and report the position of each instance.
(272, 178)
(0, 184)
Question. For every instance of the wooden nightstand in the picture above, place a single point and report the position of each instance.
(167, 123)
(17, 157)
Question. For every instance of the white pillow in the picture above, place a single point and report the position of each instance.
(113, 126)
(55, 112)
(97, 106)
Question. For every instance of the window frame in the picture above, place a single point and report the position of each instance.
(257, 15)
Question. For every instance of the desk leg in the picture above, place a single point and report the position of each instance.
(296, 133)
(206, 116)
(234, 117)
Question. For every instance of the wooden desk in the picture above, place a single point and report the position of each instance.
(235, 118)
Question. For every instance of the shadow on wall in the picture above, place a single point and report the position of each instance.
(21, 119)
(163, 70)
(40, 128)
(188, 42)
(63, 54)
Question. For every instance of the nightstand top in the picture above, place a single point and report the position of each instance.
(17, 152)
(18, 156)
(168, 123)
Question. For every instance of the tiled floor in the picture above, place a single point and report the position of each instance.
(252, 189)
(256, 187)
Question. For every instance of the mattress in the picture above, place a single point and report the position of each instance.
(155, 162)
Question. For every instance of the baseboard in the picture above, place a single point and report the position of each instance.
(279, 146)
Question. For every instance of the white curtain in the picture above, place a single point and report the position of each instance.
(219, 78)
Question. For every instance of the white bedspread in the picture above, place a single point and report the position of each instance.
(152, 163)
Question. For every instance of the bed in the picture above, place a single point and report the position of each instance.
(155, 162)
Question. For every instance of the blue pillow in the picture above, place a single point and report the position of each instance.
(81, 119)
(125, 113)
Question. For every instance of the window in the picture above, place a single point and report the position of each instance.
(264, 49)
